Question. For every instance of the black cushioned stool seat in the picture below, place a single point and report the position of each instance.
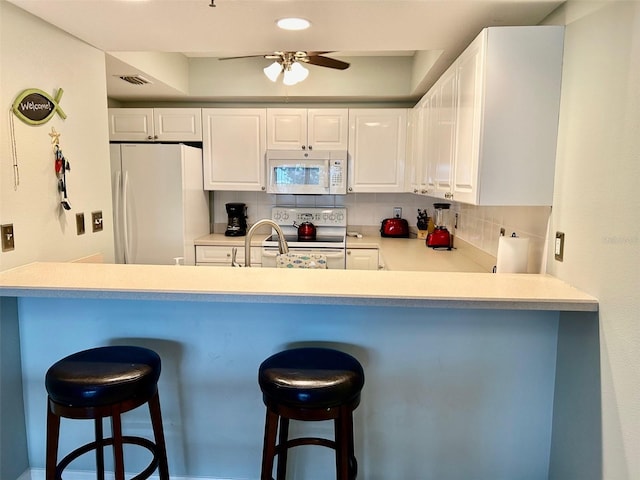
(105, 382)
(310, 384)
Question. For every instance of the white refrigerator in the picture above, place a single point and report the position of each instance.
(159, 204)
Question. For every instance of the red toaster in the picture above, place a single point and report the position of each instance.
(394, 227)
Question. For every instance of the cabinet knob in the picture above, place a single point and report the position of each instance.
(304, 147)
(149, 137)
(310, 147)
(263, 188)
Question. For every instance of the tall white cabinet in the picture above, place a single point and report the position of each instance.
(490, 125)
(234, 147)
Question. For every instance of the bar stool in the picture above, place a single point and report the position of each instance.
(98, 383)
(310, 384)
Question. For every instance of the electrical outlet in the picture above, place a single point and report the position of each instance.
(8, 241)
(79, 223)
(96, 221)
(559, 246)
(397, 212)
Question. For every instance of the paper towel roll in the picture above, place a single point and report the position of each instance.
(513, 255)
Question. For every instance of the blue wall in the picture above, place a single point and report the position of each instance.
(449, 394)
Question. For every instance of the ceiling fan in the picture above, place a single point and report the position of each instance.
(289, 63)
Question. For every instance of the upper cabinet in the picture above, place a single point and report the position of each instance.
(234, 148)
(307, 129)
(377, 149)
(155, 124)
(491, 126)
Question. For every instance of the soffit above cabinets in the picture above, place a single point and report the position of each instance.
(397, 48)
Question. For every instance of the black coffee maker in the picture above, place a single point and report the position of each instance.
(237, 224)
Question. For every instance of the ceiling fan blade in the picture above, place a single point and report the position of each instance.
(327, 62)
(264, 55)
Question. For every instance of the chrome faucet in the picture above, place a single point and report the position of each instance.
(282, 242)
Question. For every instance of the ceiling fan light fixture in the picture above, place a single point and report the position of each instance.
(294, 74)
(273, 71)
(292, 23)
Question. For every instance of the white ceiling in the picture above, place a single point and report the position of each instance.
(349, 28)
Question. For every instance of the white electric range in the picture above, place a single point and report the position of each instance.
(330, 240)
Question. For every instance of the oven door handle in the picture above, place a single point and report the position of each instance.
(329, 253)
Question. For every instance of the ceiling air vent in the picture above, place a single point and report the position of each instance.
(134, 79)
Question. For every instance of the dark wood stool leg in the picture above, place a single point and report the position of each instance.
(269, 445)
(53, 432)
(158, 433)
(118, 454)
(282, 453)
(99, 435)
(342, 445)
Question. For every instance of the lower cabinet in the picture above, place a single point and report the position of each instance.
(363, 259)
(221, 256)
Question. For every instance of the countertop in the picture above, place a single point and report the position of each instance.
(398, 254)
(306, 286)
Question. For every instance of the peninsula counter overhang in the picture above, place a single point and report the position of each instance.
(330, 287)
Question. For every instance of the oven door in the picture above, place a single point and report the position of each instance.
(335, 256)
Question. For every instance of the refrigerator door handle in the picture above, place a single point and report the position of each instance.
(125, 219)
(116, 213)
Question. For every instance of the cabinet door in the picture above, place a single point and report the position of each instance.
(362, 259)
(287, 128)
(131, 124)
(415, 152)
(177, 124)
(328, 128)
(469, 109)
(221, 256)
(234, 147)
(377, 148)
(445, 107)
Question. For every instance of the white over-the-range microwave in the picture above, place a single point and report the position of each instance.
(307, 172)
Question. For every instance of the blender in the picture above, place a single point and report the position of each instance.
(440, 237)
(237, 223)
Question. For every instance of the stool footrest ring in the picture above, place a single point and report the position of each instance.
(296, 442)
(142, 442)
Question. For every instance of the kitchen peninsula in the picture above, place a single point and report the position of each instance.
(460, 367)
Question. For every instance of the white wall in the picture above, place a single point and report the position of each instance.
(33, 54)
(597, 205)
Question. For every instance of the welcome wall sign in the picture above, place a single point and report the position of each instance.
(35, 107)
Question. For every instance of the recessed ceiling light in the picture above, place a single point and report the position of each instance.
(293, 23)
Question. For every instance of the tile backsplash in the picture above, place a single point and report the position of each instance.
(479, 226)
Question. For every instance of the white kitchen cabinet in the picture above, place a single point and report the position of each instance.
(363, 259)
(307, 129)
(234, 148)
(155, 124)
(494, 119)
(221, 256)
(377, 150)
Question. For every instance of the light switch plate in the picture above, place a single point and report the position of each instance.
(559, 246)
(79, 223)
(8, 241)
(96, 221)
